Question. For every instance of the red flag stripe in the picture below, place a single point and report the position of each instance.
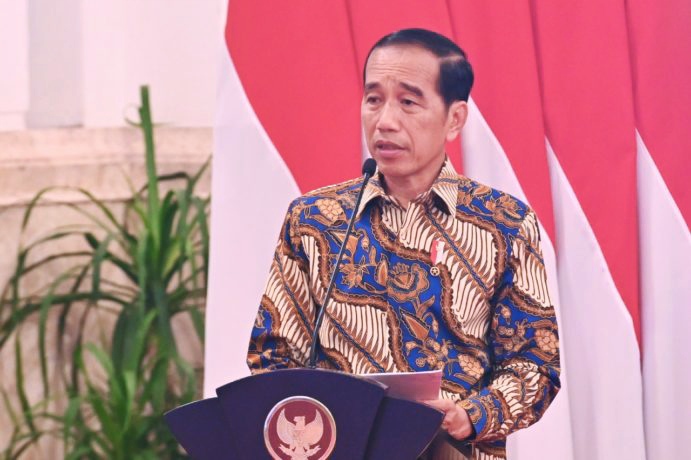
(660, 36)
(373, 20)
(290, 60)
(583, 58)
(499, 42)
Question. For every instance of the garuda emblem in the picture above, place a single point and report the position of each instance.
(300, 428)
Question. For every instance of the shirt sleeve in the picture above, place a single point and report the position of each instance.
(525, 341)
(282, 330)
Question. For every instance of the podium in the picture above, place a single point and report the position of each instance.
(304, 414)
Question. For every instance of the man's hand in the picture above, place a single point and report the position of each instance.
(456, 420)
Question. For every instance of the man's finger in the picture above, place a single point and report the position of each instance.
(441, 404)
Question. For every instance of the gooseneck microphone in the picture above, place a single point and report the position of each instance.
(368, 168)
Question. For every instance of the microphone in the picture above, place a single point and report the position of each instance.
(368, 169)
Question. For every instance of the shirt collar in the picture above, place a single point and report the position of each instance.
(445, 186)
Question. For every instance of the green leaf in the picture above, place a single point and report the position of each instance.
(104, 209)
(198, 321)
(79, 453)
(70, 416)
(47, 302)
(30, 308)
(62, 321)
(97, 261)
(152, 177)
(102, 357)
(32, 204)
(21, 392)
(8, 408)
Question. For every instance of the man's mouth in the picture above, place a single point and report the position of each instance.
(387, 147)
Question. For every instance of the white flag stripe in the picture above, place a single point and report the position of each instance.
(603, 355)
(484, 160)
(666, 313)
(251, 189)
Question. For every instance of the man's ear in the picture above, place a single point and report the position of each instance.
(457, 115)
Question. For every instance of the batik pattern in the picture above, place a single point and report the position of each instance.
(455, 282)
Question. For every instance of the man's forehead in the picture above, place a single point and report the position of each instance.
(409, 62)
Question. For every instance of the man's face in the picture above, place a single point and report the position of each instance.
(405, 120)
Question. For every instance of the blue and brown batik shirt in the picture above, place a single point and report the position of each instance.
(455, 282)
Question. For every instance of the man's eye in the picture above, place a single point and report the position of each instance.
(372, 99)
(408, 102)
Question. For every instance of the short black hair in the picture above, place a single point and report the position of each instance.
(455, 73)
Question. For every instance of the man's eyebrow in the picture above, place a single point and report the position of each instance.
(371, 86)
(413, 89)
(407, 86)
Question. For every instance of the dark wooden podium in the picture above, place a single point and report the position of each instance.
(304, 414)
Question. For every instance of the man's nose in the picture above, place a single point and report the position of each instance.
(388, 118)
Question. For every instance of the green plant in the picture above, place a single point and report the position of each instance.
(141, 269)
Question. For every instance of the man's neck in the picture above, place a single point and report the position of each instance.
(406, 189)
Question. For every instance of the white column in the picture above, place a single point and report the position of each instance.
(55, 63)
(14, 66)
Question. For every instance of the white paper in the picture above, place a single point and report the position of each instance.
(415, 386)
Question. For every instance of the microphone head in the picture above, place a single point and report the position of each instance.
(369, 166)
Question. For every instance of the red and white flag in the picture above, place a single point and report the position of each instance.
(660, 49)
(581, 109)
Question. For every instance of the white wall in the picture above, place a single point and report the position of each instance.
(81, 62)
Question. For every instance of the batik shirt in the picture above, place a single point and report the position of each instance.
(454, 282)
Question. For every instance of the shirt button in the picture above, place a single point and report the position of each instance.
(434, 271)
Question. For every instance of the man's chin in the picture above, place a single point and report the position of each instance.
(389, 155)
(389, 161)
(392, 170)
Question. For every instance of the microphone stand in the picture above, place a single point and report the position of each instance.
(368, 169)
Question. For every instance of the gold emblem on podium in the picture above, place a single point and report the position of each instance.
(300, 428)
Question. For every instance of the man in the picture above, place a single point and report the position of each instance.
(441, 272)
